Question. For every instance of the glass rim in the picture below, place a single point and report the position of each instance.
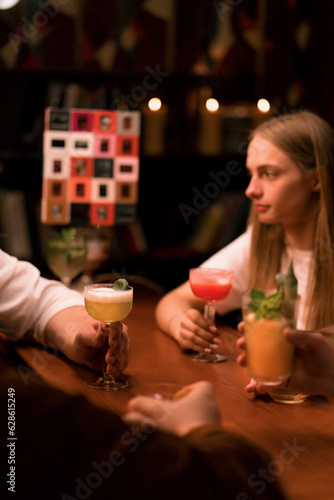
(92, 286)
(212, 269)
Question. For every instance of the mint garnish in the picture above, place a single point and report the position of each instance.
(266, 307)
(278, 304)
(73, 254)
(121, 284)
(68, 234)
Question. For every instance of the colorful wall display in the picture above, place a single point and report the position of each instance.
(90, 167)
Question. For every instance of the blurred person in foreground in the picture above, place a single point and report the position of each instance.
(68, 449)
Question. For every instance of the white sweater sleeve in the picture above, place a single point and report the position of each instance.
(234, 256)
(29, 301)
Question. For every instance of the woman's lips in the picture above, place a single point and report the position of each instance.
(261, 208)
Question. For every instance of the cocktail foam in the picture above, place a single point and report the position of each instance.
(106, 295)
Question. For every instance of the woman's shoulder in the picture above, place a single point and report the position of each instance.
(238, 249)
(241, 242)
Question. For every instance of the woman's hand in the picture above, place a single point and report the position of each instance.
(192, 331)
(179, 417)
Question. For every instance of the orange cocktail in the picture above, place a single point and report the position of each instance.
(269, 354)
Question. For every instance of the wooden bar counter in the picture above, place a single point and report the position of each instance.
(300, 438)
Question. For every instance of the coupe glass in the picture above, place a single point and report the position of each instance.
(210, 285)
(103, 303)
(66, 254)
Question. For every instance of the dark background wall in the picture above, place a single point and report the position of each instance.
(98, 53)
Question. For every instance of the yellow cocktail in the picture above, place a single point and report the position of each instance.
(108, 302)
(108, 305)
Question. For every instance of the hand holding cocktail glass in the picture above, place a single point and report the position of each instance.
(313, 368)
(210, 285)
(108, 303)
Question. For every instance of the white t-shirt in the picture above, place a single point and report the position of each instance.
(235, 256)
(28, 301)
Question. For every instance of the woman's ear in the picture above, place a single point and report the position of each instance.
(315, 180)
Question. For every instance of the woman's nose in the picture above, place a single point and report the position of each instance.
(254, 188)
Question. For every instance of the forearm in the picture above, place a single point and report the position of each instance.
(168, 313)
(170, 309)
(63, 327)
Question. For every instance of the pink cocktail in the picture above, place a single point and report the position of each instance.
(210, 285)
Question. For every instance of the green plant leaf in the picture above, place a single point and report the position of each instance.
(68, 233)
(257, 294)
(266, 307)
(76, 254)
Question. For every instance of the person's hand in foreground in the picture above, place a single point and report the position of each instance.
(81, 338)
(313, 367)
(180, 416)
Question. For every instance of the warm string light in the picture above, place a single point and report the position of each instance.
(8, 4)
(263, 105)
(212, 105)
(155, 114)
(210, 125)
(154, 104)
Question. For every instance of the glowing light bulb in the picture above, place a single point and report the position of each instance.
(263, 105)
(154, 104)
(212, 105)
(8, 4)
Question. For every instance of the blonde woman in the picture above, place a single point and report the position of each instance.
(290, 161)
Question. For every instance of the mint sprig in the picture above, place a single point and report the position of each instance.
(68, 234)
(266, 307)
(73, 252)
(121, 284)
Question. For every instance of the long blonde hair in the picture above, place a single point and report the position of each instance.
(309, 141)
